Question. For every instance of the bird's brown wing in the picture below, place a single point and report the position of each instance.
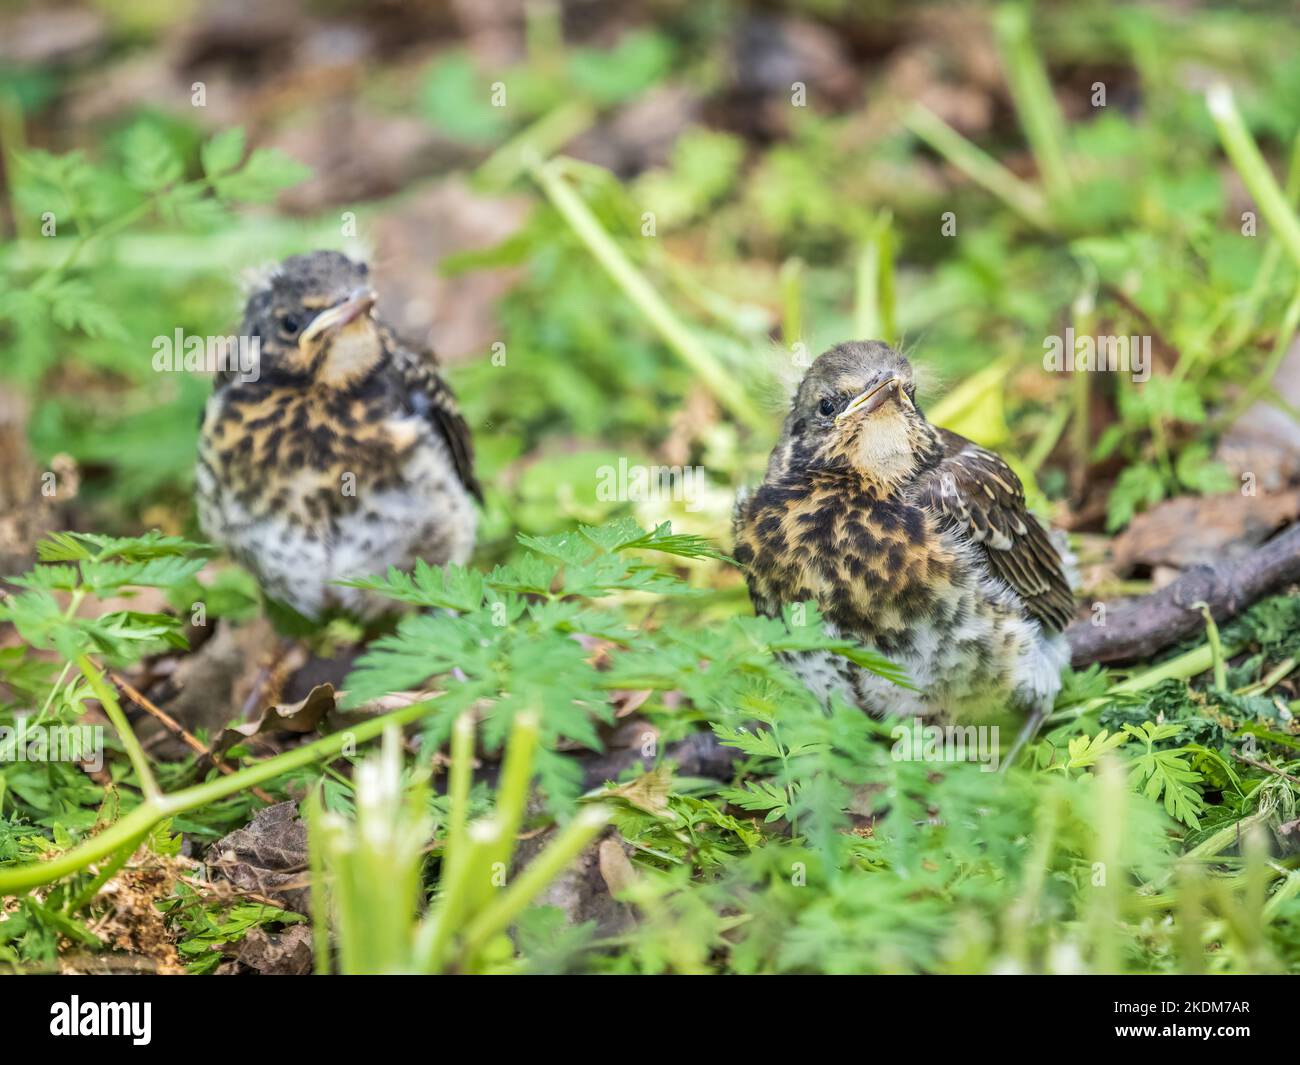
(974, 491)
(430, 396)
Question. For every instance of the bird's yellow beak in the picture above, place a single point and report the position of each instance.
(873, 397)
(359, 303)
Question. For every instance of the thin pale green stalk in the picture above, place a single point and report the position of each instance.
(105, 874)
(13, 139)
(1108, 848)
(1263, 381)
(542, 139)
(1048, 437)
(873, 305)
(470, 871)
(1168, 901)
(1246, 916)
(1254, 171)
(107, 697)
(1031, 92)
(683, 342)
(544, 36)
(320, 901)
(1191, 918)
(1285, 892)
(1216, 647)
(1278, 673)
(1183, 667)
(497, 917)
(1024, 911)
(979, 166)
(1081, 402)
(142, 819)
(1214, 845)
(74, 604)
(1246, 312)
(516, 773)
(459, 779)
(350, 940)
(791, 279)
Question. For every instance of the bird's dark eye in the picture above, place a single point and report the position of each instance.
(826, 407)
(289, 324)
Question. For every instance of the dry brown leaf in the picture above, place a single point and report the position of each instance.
(302, 716)
(648, 792)
(268, 856)
(1203, 529)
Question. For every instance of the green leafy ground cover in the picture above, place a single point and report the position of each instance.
(1152, 828)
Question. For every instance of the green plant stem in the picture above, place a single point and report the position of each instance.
(688, 347)
(791, 279)
(1247, 310)
(82, 239)
(54, 691)
(1031, 92)
(1022, 913)
(466, 874)
(543, 138)
(873, 304)
(1277, 673)
(320, 904)
(1183, 667)
(459, 780)
(1191, 913)
(1216, 647)
(13, 139)
(1081, 406)
(1262, 381)
(107, 697)
(979, 166)
(1214, 845)
(866, 291)
(1048, 437)
(141, 820)
(516, 773)
(1103, 912)
(74, 604)
(1171, 900)
(496, 917)
(1245, 916)
(1254, 171)
(1284, 894)
(104, 875)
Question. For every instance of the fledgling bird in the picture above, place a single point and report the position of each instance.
(912, 540)
(342, 453)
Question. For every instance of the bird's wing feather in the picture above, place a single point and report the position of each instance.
(431, 397)
(975, 492)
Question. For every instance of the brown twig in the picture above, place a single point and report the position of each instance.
(1266, 767)
(1137, 628)
(177, 729)
(224, 890)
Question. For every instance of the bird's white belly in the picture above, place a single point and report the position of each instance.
(430, 517)
(951, 683)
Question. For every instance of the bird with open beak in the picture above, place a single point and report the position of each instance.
(344, 453)
(912, 541)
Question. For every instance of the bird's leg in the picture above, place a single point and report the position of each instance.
(1027, 734)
